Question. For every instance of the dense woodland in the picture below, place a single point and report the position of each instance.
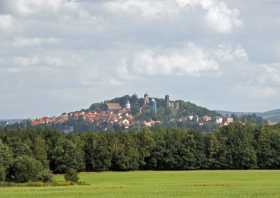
(29, 154)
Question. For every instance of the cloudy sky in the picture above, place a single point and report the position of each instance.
(62, 55)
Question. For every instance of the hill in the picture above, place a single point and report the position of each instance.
(131, 111)
(273, 116)
(5, 122)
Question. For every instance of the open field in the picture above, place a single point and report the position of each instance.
(149, 184)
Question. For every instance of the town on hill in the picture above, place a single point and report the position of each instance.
(128, 112)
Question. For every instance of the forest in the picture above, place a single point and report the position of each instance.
(33, 154)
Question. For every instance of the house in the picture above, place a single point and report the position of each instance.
(219, 120)
(126, 123)
(111, 106)
(228, 121)
(151, 123)
(191, 117)
(206, 118)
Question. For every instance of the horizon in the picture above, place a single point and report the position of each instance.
(63, 55)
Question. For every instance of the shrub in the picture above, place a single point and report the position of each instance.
(45, 176)
(24, 169)
(71, 175)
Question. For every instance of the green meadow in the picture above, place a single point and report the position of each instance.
(161, 184)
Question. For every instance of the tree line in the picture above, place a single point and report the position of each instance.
(30, 154)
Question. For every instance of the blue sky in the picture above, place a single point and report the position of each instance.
(62, 55)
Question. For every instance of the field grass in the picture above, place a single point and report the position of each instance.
(164, 184)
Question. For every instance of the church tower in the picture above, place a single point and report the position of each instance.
(128, 105)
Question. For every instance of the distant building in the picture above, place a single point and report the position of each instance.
(206, 118)
(177, 105)
(167, 101)
(229, 120)
(219, 120)
(128, 105)
(113, 106)
(146, 99)
(151, 123)
(154, 105)
(191, 117)
(126, 123)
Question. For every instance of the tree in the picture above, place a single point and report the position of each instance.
(40, 150)
(71, 175)
(268, 148)
(97, 151)
(2, 174)
(19, 148)
(213, 152)
(5, 155)
(238, 141)
(145, 143)
(65, 155)
(125, 155)
(5, 160)
(24, 169)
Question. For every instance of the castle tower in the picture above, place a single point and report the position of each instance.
(167, 101)
(154, 105)
(146, 99)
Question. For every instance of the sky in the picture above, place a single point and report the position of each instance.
(63, 55)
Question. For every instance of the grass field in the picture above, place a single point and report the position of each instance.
(202, 184)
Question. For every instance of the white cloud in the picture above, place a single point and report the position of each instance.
(230, 54)
(269, 74)
(223, 19)
(260, 82)
(6, 22)
(34, 6)
(189, 60)
(219, 16)
(264, 92)
(135, 43)
(37, 41)
(26, 61)
(39, 62)
(145, 8)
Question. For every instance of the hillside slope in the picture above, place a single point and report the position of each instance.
(273, 116)
(128, 112)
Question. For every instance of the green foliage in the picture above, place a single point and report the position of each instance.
(24, 169)
(125, 154)
(39, 148)
(45, 176)
(268, 148)
(237, 147)
(19, 147)
(65, 154)
(71, 175)
(5, 155)
(97, 152)
(29, 154)
(2, 173)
